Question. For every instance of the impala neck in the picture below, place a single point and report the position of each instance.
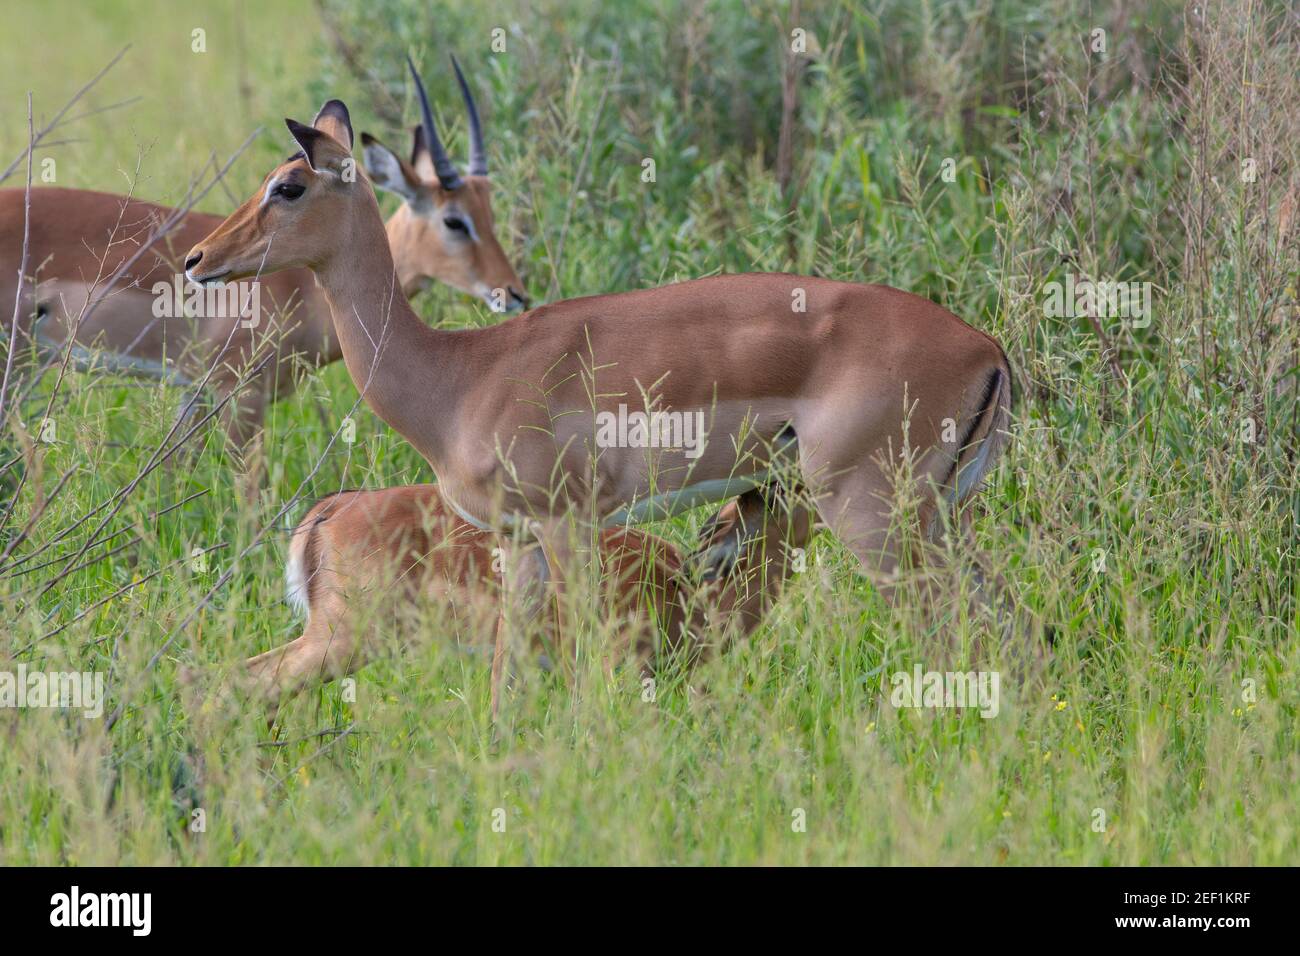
(312, 333)
(400, 366)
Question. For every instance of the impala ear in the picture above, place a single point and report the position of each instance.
(322, 151)
(387, 170)
(333, 119)
(421, 158)
(305, 136)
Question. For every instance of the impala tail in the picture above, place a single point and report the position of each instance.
(304, 556)
(985, 439)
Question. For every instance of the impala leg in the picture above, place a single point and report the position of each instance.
(523, 597)
(858, 511)
(324, 652)
(894, 554)
(559, 553)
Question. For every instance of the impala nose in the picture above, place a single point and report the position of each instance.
(518, 300)
(193, 260)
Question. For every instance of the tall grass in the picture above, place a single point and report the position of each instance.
(1146, 516)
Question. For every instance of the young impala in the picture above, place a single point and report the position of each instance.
(526, 424)
(388, 552)
(444, 230)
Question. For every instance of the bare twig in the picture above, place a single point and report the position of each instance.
(225, 577)
(120, 591)
(327, 732)
(40, 509)
(8, 570)
(388, 109)
(340, 735)
(58, 120)
(92, 301)
(163, 229)
(22, 264)
(155, 461)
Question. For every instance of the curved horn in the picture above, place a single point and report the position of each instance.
(477, 154)
(442, 164)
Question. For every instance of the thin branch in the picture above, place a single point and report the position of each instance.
(341, 735)
(119, 592)
(156, 460)
(22, 263)
(389, 110)
(92, 301)
(327, 732)
(59, 120)
(37, 512)
(288, 505)
(8, 570)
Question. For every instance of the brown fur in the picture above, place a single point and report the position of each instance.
(395, 548)
(506, 415)
(72, 230)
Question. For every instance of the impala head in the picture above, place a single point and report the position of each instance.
(305, 213)
(444, 229)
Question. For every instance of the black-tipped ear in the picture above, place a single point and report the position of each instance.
(333, 119)
(308, 139)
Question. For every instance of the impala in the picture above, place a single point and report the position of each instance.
(837, 378)
(390, 551)
(443, 230)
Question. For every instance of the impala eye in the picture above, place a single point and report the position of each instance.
(456, 224)
(289, 191)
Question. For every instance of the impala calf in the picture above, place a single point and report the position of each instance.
(363, 563)
(507, 416)
(444, 231)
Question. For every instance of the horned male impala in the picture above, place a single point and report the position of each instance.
(514, 419)
(444, 230)
(392, 550)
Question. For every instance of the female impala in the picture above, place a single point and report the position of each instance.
(390, 551)
(444, 230)
(514, 418)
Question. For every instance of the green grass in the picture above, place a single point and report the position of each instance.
(1141, 711)
(187, 107)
